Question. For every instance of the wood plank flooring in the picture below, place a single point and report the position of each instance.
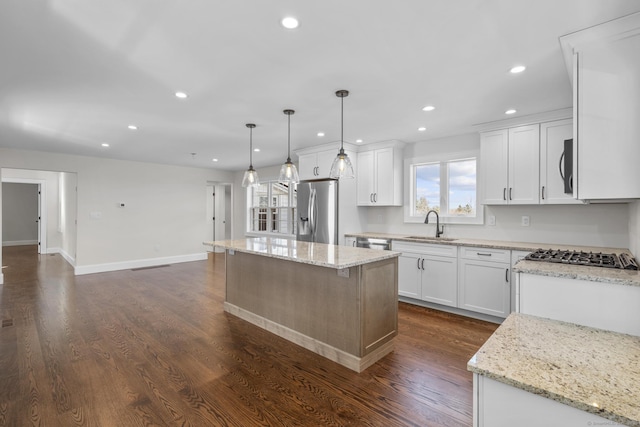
(153, 347)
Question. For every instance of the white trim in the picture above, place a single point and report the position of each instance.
(64, 255)
(529, 119)
(139, 263)
(1, 279)
(20, 242)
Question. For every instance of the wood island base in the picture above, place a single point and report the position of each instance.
(348, 315)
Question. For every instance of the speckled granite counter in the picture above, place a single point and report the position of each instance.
(589, 369)
(319, 254)
(495, 244)
(594, 274)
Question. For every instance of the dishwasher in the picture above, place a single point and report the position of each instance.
(373, 243)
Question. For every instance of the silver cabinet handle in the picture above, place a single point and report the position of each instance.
(510, 191)
(418, 265)
(375, 197)
(506, 275)
(543, 192)
(560, 166)
(371, 197)
(482, 254)
(504, 193)
(422, 263)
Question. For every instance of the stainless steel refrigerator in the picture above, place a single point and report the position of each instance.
(318, 211)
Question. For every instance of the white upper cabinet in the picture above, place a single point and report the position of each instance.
(605, 61)
(510, 165)
(552, 138)
(379, 177)
(316, 165)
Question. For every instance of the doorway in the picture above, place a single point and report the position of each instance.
(219, 211)
(24, 219)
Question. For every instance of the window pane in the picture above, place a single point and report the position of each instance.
(260, 195)
(427, 187)
(279, 194)
(462, 188)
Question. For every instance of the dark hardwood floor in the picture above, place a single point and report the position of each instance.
(153, 347)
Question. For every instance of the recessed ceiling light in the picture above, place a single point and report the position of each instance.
(518, 69)
(105, 145)
(358, 141)
(511, 111)
(290, 23)
(429, 108)
(257, 150)
(422, 128)
(320, 133)
(133, 127)
(181, 95)
(214, 160)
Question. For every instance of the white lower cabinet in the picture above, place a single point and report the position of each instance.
(499, 405)
(350, 241)
(427, 272)
(484, 280)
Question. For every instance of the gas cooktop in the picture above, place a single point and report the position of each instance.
(592, 259)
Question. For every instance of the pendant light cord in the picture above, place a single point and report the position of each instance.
(288, 137)
(250, 147)
(342, 123)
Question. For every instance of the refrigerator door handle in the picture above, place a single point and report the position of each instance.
(312, 213)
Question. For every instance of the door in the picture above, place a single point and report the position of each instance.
(552, 137)
(210, 215)
(41, 232)
(365, 178)
(439, 280)
(409, 275)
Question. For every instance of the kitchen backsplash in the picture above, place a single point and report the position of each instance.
(588, 225)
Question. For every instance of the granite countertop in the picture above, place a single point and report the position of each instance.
(590, 369)
(594, 274)
(319, 254)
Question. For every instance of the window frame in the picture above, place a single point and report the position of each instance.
(443, 160)
(269, 219)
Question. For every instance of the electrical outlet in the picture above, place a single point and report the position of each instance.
(525, 220)
(380, 218)
(492, 220)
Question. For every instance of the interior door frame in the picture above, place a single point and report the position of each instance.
(42, 208)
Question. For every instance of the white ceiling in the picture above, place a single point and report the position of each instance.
(75, 73)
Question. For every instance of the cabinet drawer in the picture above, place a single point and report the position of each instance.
(485, 254)
(424, 248)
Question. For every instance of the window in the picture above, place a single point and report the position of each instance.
(272, 208)
(447, 186)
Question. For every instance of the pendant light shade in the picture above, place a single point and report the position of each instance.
(250, 178)
(288, 171)
(341, 166)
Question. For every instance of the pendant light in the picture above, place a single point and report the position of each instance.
(250, 178)
(342, 167)
(288, 171)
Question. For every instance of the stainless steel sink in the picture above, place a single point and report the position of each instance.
(431, 239)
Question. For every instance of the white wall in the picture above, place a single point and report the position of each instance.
(19, 213)
(163, 218)
(68, 215)
(591, 225)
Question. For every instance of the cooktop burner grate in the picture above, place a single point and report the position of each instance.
(593, 259)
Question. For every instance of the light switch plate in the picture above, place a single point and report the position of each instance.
(525, 220)
(492, 220)
(343, 272)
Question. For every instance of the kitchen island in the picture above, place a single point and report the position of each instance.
(542, 372)
(337, 301)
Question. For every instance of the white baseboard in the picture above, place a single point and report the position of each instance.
(139, 263)
(20, 243)
(71, 260)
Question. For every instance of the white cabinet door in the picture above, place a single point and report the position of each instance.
(409, 275)
(552, 137)
(439, 276)
(484, 287)
(384, 177)
(494, 157)
(325, 160)
(608, 107)
(524, 166)
(515, 257)
(307, 166)
(366, 178)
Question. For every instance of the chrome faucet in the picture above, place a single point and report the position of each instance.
(439, 231)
